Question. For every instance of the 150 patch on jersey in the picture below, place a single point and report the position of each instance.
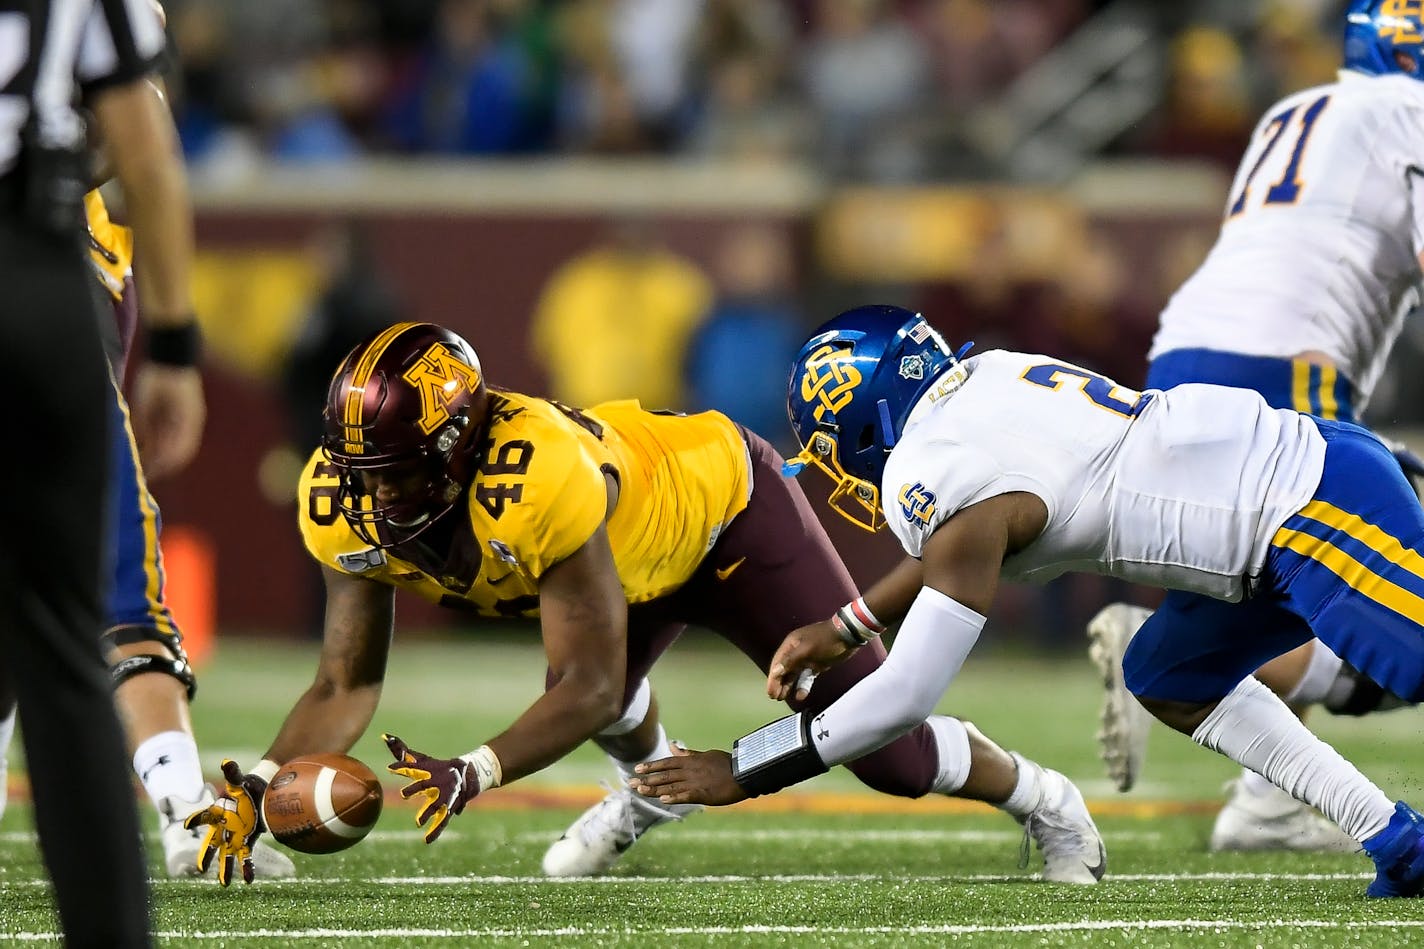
(917, 503)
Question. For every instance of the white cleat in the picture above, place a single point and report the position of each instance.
(1275, 821)
(180, 846)
(1073, 850)
(1123, 722)
(595, 841)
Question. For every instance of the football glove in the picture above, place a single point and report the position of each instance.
(234, 823)
(447, 784)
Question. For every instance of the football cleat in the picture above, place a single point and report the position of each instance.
(1123, 723)
(1073, 850)
(1398, 853)
(180, 846)
(604, 832)
(1274, 821)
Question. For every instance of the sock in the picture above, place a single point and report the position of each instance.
(7, 733)
(1028, 790)
(1256, 785)
(1320, 672)
(168, 766)
(952, 743)
(1254, 728)
(661, 749)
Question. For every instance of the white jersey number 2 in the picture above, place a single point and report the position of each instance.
(1102, 392)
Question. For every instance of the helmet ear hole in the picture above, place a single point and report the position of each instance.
(866, 439)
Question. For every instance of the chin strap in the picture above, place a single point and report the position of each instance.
(887, 427)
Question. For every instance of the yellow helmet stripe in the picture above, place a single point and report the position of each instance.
(360, 375)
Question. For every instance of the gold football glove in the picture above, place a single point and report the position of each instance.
(234, 822)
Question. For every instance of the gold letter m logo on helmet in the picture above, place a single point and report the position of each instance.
(438, 376)
(829, 380)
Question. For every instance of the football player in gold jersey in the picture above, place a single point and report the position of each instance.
(617, 527)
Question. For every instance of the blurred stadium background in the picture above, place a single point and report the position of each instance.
(658, 198)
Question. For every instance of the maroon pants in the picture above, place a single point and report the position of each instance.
(781, 572)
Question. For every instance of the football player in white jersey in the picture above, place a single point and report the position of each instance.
(1020, 466)
(1300, 299)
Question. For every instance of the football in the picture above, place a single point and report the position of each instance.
(322, 803)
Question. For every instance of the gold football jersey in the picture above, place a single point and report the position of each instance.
(540, 493)
(110, 245)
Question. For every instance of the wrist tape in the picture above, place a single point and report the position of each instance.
(856, 624)
(487, 767)
(265, 769)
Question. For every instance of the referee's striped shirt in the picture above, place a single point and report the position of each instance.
(53, 51)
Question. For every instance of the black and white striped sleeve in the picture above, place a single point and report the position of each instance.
(123, 40)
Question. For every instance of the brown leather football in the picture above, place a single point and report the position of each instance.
(322, 803)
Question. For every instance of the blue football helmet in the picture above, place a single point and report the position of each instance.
(851, 391)
(1378, 33)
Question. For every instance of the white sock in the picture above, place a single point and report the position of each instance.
(1255, 785)
(661, 749)
(1320, 674)
(168, 766)
(952, 742)
(1254, 728)
(7, 734)
(1028, 791)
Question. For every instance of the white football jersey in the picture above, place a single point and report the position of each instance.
(1324, 225)
(1181, 489)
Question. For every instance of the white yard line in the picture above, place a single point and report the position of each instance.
(1123, 925)
(900, 836)
(500, 880)
(713, 835)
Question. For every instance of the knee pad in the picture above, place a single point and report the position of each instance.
(175, 664)
(952, 742)
(634, 714)
(1355, 693)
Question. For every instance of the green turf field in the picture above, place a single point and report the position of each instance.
(832, 869)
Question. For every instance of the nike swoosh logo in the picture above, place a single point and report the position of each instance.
(1101, 866)
(726, 571)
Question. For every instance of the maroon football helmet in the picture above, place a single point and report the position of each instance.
(403, 425)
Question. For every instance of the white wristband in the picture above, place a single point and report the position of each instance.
(487, 767)
(265, 769)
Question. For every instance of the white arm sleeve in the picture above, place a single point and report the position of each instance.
(934, 640)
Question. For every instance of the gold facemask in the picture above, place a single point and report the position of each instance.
(854, 499)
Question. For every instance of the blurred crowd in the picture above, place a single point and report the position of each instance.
(863, 87)
(864, 90)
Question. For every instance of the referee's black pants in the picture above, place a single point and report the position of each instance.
(53, 492)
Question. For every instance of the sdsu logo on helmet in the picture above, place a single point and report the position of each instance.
(1385, 36)
(403, 422)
